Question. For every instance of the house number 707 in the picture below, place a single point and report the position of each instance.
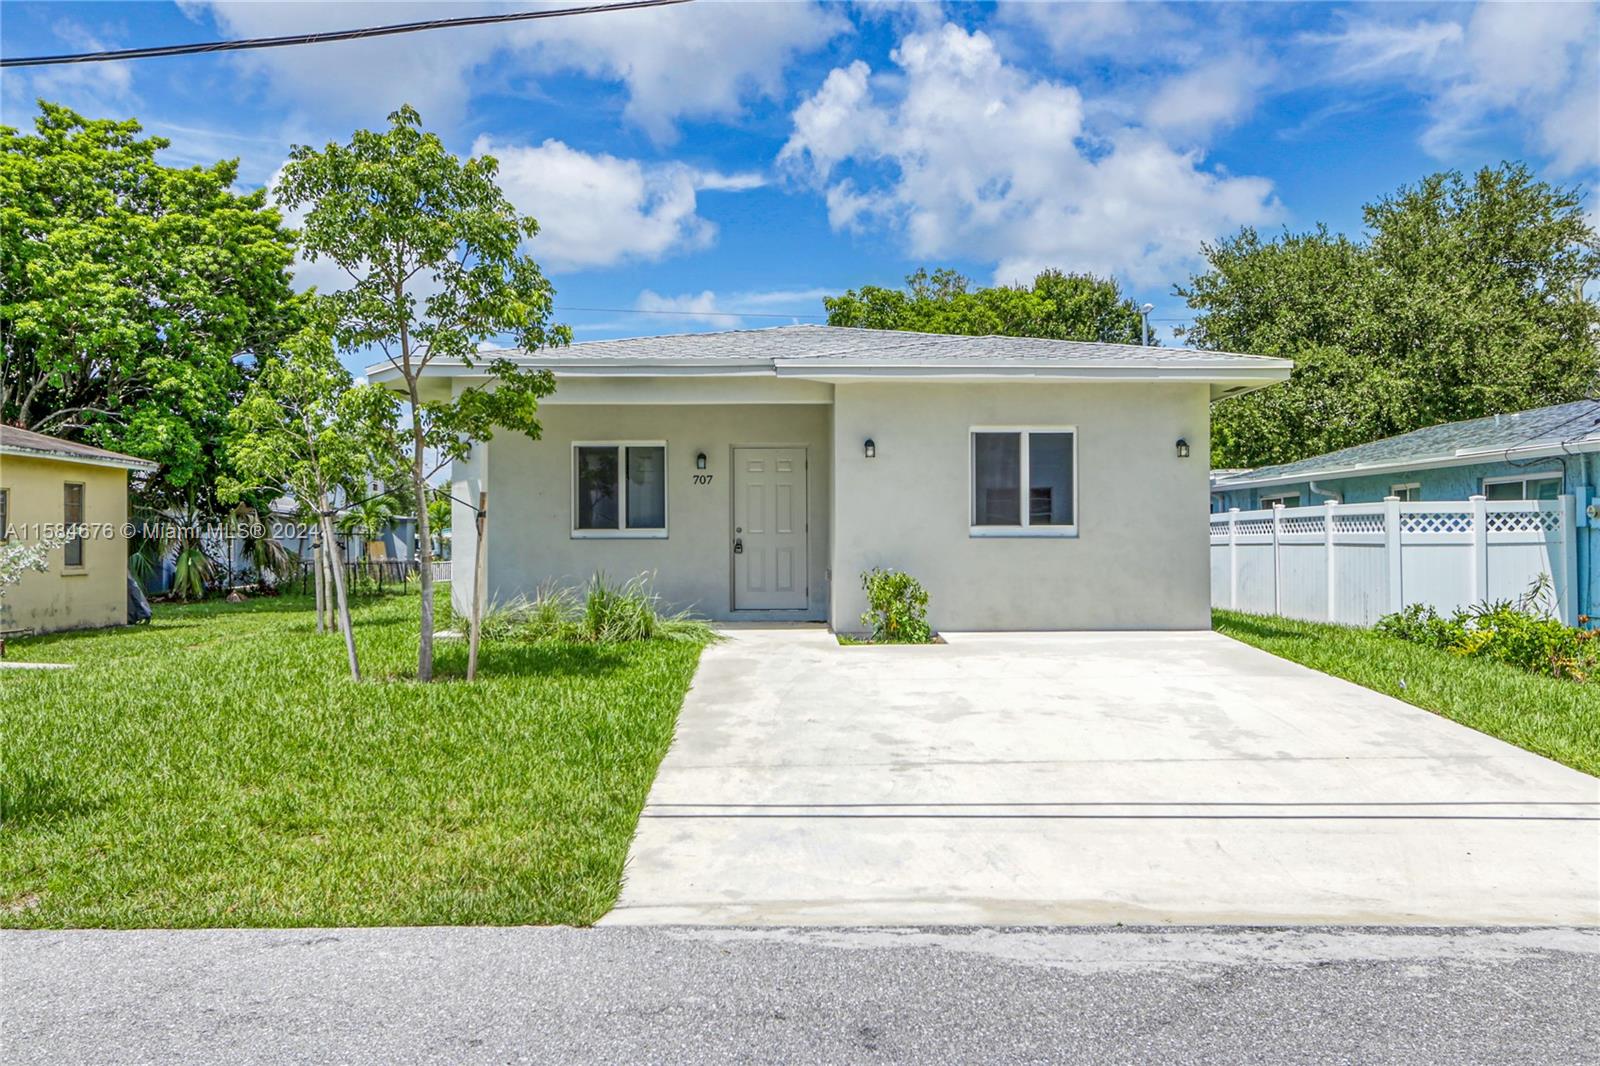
(702, 479)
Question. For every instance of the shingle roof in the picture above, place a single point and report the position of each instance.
(1569, 424)
(873, 347)
(14, 441)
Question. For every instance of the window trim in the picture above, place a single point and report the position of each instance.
(83, 520)
(1267, 501)
(622, 532)
(1407, 486)
(1523, 479)
(1025, 471)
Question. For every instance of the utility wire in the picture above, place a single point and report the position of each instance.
(333, 35)
(696, 314)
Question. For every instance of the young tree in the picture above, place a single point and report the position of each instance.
(439, 518)
(135, 298)
(432, 249)
(305, 427)
(1057, 305)
(1464, 299)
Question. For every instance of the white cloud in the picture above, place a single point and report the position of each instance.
(1531, 64)
(1199, 101)
(690, 61)
(971, 156)
(95, 89)
(693, 307)
(598, 210)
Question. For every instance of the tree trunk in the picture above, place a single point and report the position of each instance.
(342, 600)
(478, 571)
(419, 487)
(317, 576)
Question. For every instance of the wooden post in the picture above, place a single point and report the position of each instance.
(478, 572)
(316, 574)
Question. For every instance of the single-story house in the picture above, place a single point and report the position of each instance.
(49, 487)
(1542, 454)
(1028, 484)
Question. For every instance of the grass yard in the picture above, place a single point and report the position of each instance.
(219, 768)
(1555, 718)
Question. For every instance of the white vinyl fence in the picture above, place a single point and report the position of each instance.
(1353, 563)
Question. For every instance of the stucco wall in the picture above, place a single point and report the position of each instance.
(530, 537)
(95, 594)
(1139, 560)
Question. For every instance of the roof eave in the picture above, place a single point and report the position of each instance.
(124, 462)
(1474, 457)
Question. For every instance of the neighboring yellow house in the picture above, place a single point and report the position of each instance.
(48, 485)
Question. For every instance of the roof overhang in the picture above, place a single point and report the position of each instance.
(122, 462)
(1230, 377)
(1461, 457)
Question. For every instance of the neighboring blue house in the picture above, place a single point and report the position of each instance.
(1541, 454)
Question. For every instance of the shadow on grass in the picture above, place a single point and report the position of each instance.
(543, 660)
(1263, 627)
(31, 798)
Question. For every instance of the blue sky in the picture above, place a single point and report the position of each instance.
(731, 162)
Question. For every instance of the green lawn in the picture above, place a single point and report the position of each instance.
(219, 768)
(1558, 719)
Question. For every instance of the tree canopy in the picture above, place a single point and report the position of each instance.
(1057, 305)
(432, 248)
(135, 297)
(1464, 298)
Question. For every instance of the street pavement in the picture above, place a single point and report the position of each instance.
(700, 994)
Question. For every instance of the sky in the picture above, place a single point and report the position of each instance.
(726, 165)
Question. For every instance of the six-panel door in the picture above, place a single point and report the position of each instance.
(769, 529)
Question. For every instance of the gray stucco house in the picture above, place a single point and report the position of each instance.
(1029, 484)
(1541, 454)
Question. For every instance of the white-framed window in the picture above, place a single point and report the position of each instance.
(1545, 485)
(1024, 481)
(1410, 492)
(1287, 499)
(72, 518)
(619, 488)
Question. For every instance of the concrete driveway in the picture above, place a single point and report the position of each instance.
(1090, 777)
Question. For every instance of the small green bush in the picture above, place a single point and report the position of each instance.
(1521, 634)
(898, 607)
(604, 613)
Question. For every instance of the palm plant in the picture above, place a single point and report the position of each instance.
(370, 517)
(265, 554)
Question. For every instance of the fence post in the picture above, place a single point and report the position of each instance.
(1233, 558)
(1328, 510)
(1478, 583)
(1277, 559)
(1391, 543)
(1569, 559)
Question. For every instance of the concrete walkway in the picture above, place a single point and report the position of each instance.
(1091, 777)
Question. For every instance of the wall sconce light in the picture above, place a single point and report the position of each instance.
(700, 461)
(1183, 448)
(870, 449)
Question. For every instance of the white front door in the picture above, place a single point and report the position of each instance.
(769, 529)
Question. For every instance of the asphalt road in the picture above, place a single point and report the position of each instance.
(677, 994)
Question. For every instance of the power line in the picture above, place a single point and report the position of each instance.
(695, 314)
(323, 38)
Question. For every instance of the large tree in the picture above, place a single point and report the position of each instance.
(135, 298)
(1057, 305)
(1464, 298)
(432, 249)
